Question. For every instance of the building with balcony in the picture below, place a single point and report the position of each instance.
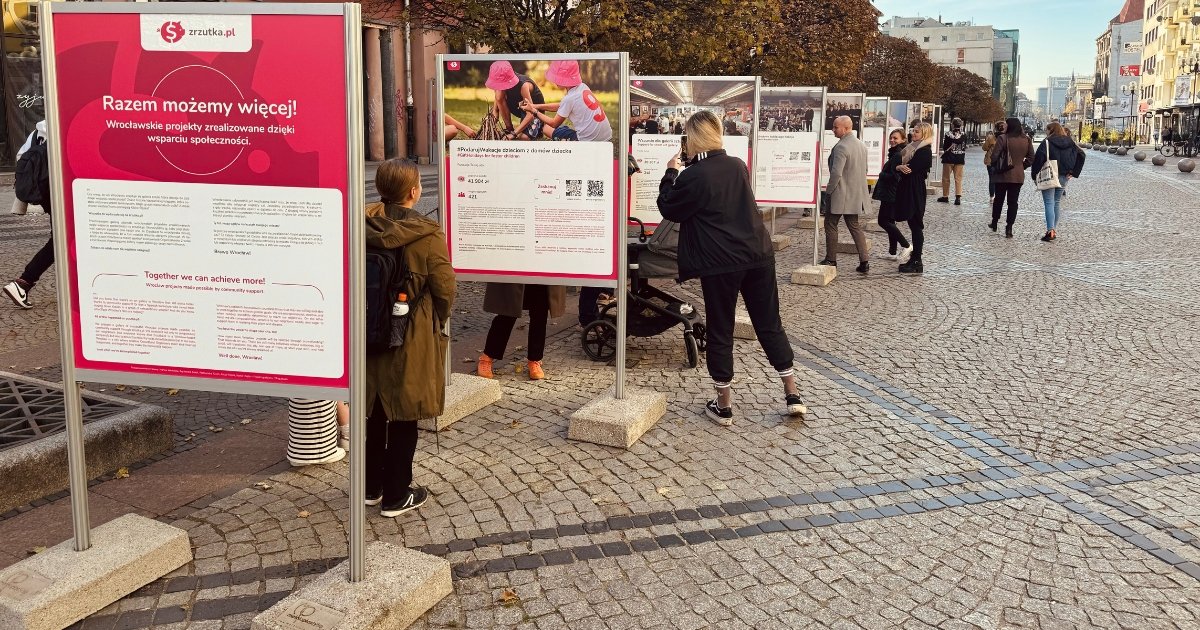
(1119, 65)
(1170, 65)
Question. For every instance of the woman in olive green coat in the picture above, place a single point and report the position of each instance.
(407, 383)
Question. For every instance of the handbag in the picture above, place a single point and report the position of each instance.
(1047, 178)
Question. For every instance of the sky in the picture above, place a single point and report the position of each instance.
(1057, 36)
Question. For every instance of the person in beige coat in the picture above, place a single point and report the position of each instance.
(1012, 154)
(407, 383)
(847, 190)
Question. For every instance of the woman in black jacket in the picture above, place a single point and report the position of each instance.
(722, 241)
(1059, 146)
(885, 194)
(915, 161)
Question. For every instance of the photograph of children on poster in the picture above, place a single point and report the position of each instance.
(655, 139)
(874, 132)
(788, 164)
(531, 187)
(837, 105)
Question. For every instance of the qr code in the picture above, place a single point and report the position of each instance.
(806, 156)
(595, 188)
(793, 156)
(574, 187)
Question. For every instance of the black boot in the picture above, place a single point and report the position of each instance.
(993, 224)
(1008, 231)
(912, 266)
(943, 200)
(863, 267)
(958, 200)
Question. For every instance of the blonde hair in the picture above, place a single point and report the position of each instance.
(704, 133)
(925, 129)
(395, 178)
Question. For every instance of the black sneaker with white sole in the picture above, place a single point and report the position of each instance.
(18, 294)
(413, 499)
(723, 417)
(795, 406)
(374, 499)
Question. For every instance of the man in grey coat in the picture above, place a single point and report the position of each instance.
(847, 190)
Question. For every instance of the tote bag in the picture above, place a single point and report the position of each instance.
(1047, 178)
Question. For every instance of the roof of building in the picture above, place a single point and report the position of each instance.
(1131, 12)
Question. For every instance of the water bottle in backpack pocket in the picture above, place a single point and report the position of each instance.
(389, 310)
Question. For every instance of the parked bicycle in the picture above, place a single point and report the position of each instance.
(1185, 147)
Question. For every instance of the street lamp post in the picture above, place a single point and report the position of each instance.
(1129, 90)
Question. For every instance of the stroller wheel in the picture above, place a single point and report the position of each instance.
(600, 340)
(701, 334)
(693, 349)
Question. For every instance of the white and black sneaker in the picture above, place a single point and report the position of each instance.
(413, 499)
(723, 417)
(18, 294)
(374, 499)
(795, 406)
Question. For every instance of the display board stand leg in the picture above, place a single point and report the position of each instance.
(815, 274)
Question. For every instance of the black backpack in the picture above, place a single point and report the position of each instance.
(33, 171)
(386, 277)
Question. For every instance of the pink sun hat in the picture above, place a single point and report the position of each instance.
(501, 76)
(564, 73)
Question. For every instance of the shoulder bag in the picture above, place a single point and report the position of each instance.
(1047, 178)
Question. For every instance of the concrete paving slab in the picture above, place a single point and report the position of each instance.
(781, 241)
(400, 585)
(848, 247)
(619, 423)
(56, 588)
(465, 395)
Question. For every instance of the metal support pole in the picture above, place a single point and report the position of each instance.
(387, 71)
(437, 156)
(622, 228)
(73, 407)
(356, 225)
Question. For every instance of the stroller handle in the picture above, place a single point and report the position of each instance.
(642, 236)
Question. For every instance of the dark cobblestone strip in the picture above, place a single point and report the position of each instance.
(572, 555)
(1094, 489)
(203, 610)
(1123, 457)
(1128, 535)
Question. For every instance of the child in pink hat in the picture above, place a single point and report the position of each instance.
(512, 90)
(579, 105)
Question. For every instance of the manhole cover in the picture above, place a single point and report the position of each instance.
(31, 411)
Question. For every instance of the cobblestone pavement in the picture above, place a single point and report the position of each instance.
(1008, 441)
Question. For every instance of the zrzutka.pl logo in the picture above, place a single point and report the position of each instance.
(171, 32)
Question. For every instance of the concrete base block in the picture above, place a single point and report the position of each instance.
(618, 423)
(848, 247)
(56, 588)
(400, 585)
(465, 394)
(742, 327)
(781, 242)
(805, 223)
(814, 275)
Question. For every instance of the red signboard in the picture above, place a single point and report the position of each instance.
(1131, 71)
(205, 184)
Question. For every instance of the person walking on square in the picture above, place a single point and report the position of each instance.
(507, 302)
(954, 159)
(407, 383)
(916, 160)
(989, 143)
(18, 290)
(1059, 146)
(885, 194)
(1012, 154)
(847, 190)
(724, 243)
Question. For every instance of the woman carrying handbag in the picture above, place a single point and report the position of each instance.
(1058, 160)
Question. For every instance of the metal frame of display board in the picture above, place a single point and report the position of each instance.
(887, 104)
(355, 205)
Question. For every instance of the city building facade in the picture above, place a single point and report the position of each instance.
(1053, 98)
(1170, 65)
(985, 51)
(1118, 67)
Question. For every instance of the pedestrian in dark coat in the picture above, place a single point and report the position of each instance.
(723, 241)
(1012, 154)
(911, 193)
(407, 383)
(508, 302)
(885, 193)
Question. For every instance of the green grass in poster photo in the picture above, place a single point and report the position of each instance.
(467, 99)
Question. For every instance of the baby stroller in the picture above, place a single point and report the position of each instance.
(651, 311)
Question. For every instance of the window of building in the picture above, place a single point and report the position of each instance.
(962, 37)
(926, 40)
(945, 38)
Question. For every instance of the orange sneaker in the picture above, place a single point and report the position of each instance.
(535, 371)
(483, 367)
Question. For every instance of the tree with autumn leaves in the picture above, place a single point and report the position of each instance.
(834, 43)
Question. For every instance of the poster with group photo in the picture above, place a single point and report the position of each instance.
(874, 133)
(205, 181)
(532, 166)
(837, 105)
(787, 170)
(663, 105)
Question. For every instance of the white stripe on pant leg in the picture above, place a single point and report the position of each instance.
(720, 385)
(785, 373)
